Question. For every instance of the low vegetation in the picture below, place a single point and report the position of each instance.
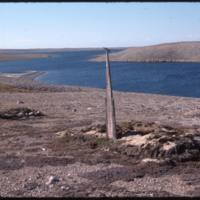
(10, 88)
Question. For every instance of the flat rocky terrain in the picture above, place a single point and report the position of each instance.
(53, 143)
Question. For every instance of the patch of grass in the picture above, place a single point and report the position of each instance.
(99, 142)
(92, 142)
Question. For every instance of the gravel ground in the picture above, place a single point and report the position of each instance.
(30, 151)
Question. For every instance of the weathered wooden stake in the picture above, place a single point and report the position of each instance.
(110, 106)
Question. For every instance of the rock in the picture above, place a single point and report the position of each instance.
(194, 152)
(31, 186)
(170, 161)
(23, 161)
(168, 145)
(64, 188)
(52, 180)
(106, 149)
(61, 134)
(8, 115)
(181, 147)
(155, 152)
(164, 139)
(196, 138)
(38, 113)
(31, 113)
(20, 102)
(150, 160)
(20, 114)
(185, 157)
(131, 151)
(86, 129)
(167, 129)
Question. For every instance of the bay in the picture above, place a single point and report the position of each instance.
(73, 68)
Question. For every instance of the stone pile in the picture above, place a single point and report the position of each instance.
(150, 140)
(20, 113)
(161, 142)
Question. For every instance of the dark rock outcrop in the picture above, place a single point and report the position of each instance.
(20, 113)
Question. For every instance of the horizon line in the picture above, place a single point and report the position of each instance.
(120, 47)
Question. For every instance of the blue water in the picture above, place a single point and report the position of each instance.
(73, 68)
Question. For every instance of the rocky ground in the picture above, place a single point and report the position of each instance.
(53, 143)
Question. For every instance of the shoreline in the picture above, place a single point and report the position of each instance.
(31, 77)
(164, 109)
(99, 60)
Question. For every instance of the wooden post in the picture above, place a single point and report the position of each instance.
(110, 107)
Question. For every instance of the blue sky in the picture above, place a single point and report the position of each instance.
(59, 25)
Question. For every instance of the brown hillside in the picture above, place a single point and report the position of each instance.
(175, 52)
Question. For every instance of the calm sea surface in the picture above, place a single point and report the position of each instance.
(73, 68)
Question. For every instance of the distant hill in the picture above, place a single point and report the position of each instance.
(168, 52)
(51, 50)
(24, 54)
(17, 56)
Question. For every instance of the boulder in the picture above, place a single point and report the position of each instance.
(52, 180)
